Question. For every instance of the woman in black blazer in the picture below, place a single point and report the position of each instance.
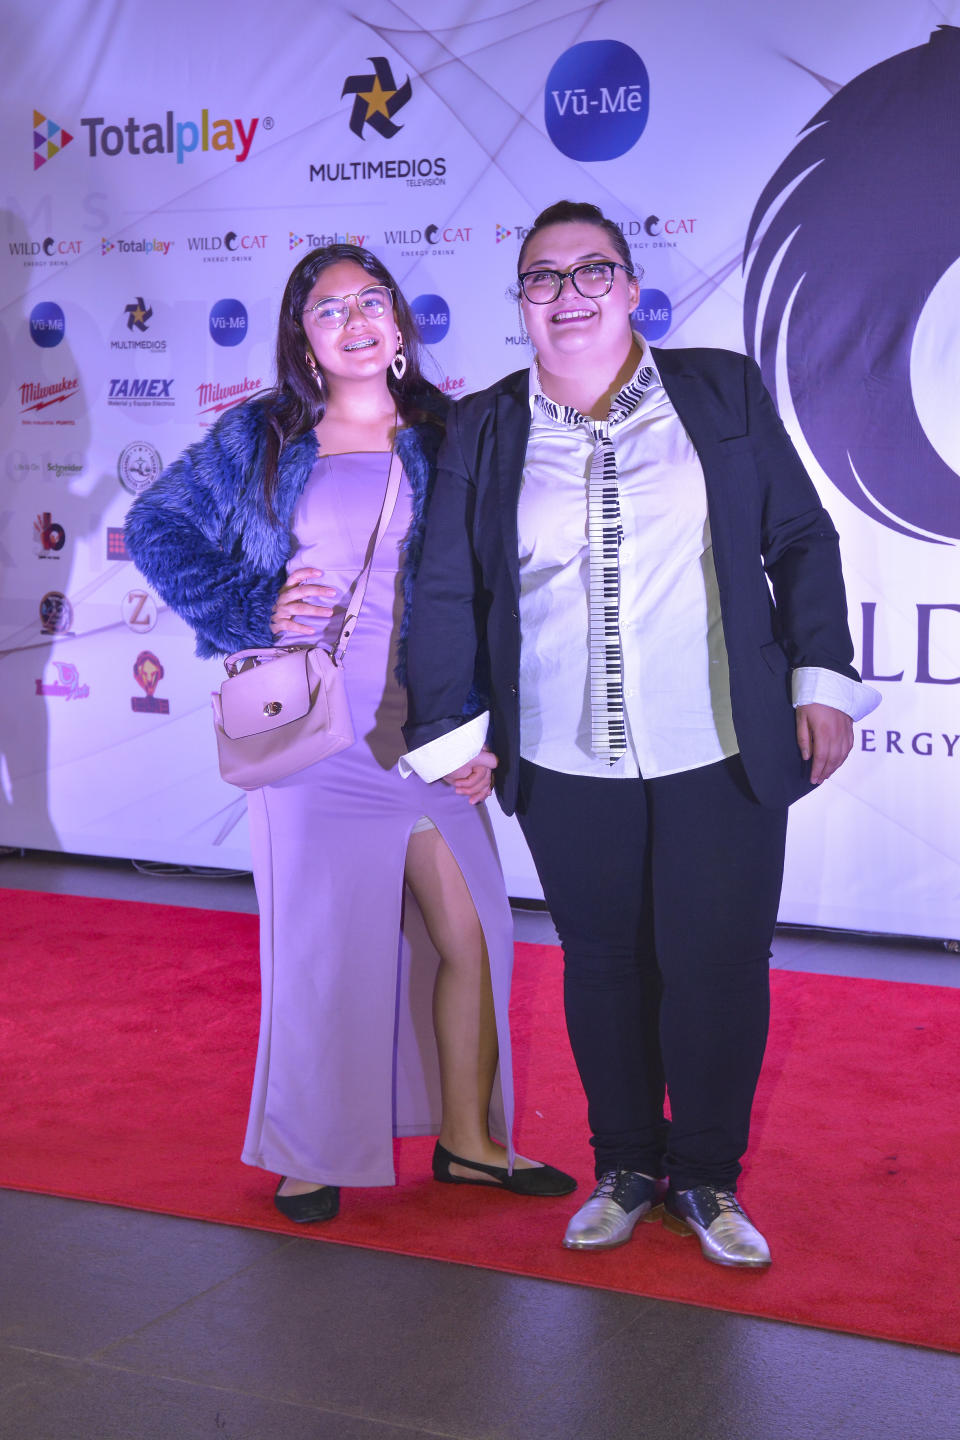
(629, 540)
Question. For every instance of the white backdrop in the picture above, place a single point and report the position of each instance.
(165, 167)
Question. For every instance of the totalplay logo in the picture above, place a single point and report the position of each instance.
(172, 136)
(49, 139)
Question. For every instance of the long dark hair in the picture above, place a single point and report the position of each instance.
(565, 212)
(298, 403)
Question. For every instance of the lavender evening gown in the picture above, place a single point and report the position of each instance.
(347, 1057)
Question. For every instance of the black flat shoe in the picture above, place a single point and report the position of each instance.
(322, 1204)
(541, 1180)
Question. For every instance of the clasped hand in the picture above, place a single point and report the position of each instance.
(475, 779)
(297, 596)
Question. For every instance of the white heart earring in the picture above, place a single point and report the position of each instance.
(399, 362)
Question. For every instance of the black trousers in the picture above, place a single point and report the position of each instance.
(664, 893)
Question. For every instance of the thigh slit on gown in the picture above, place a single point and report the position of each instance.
(347, 1056)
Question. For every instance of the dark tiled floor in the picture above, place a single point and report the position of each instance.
(117, 1325)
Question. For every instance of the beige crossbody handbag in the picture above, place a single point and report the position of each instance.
(282, 709)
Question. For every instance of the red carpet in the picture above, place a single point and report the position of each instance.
(128, 1038)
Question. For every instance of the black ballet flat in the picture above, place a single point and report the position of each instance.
(322, 1204)
(541, 1180)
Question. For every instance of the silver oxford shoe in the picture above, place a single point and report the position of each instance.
(607, 1219)
(719, 1222)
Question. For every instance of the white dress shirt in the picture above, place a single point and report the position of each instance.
(675, 673)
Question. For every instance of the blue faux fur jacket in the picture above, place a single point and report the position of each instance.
(202, 538)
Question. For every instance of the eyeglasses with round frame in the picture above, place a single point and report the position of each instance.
(331, 312)
(592, 280)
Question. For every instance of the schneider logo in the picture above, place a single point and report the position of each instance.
(597, 100)
(49, 139)
(378, 98)
(172, 136)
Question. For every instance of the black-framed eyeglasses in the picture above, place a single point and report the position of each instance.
(591, 280)
(333, 311)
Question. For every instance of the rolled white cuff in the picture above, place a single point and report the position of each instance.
(813, 686)
(448, 752)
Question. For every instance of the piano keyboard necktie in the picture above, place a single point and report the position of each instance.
(608, 732)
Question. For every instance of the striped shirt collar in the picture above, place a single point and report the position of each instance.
(623, 404)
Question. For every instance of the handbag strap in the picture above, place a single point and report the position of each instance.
(360, 589)
(240, 658)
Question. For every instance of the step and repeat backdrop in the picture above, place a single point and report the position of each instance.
(785, 178)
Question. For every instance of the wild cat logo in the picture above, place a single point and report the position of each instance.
(855, 284)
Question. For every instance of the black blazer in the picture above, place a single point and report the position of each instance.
(766, 523)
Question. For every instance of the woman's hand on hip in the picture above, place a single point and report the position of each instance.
(298, 596)
(475, 779)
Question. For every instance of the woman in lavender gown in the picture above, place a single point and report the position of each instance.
(386, 938)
